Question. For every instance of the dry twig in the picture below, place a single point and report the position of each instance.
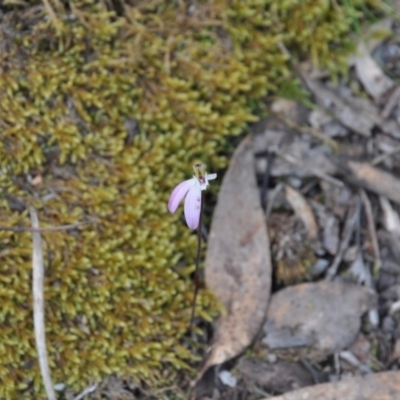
(372, 231)
(350, 225)
(46, 229)
(38, 306)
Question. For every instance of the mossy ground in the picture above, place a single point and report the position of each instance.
(104, 106)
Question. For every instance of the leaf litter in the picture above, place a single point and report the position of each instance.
(310, 281)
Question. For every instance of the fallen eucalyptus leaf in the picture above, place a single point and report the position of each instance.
(238, 264)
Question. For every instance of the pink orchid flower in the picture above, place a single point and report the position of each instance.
(192, 189)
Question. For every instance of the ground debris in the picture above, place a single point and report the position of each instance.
(310, 318)
(365, 175)
(383, 386)
(374, 80)
(328, 179)
(278, 377)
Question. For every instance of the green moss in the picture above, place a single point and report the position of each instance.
(117, 293)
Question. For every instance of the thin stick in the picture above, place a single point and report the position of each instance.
(196, 273)
(47, 229)
(38, 306)
(349, 227)
(372, 232)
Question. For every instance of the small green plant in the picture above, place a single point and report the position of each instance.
(192, 190)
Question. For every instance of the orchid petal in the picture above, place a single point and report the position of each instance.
(179, 193)
(192, 207)
(210, 177)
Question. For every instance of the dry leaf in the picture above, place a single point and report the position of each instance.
(383, 386)
(375, 82)
(302, 210)
(238, 265)
(323, 317)
(367, 176)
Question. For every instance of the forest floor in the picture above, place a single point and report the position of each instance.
(327, 269)
(304, 247)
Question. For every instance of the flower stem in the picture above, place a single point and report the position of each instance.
(196, 272)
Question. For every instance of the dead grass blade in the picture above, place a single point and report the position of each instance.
(38, 306)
